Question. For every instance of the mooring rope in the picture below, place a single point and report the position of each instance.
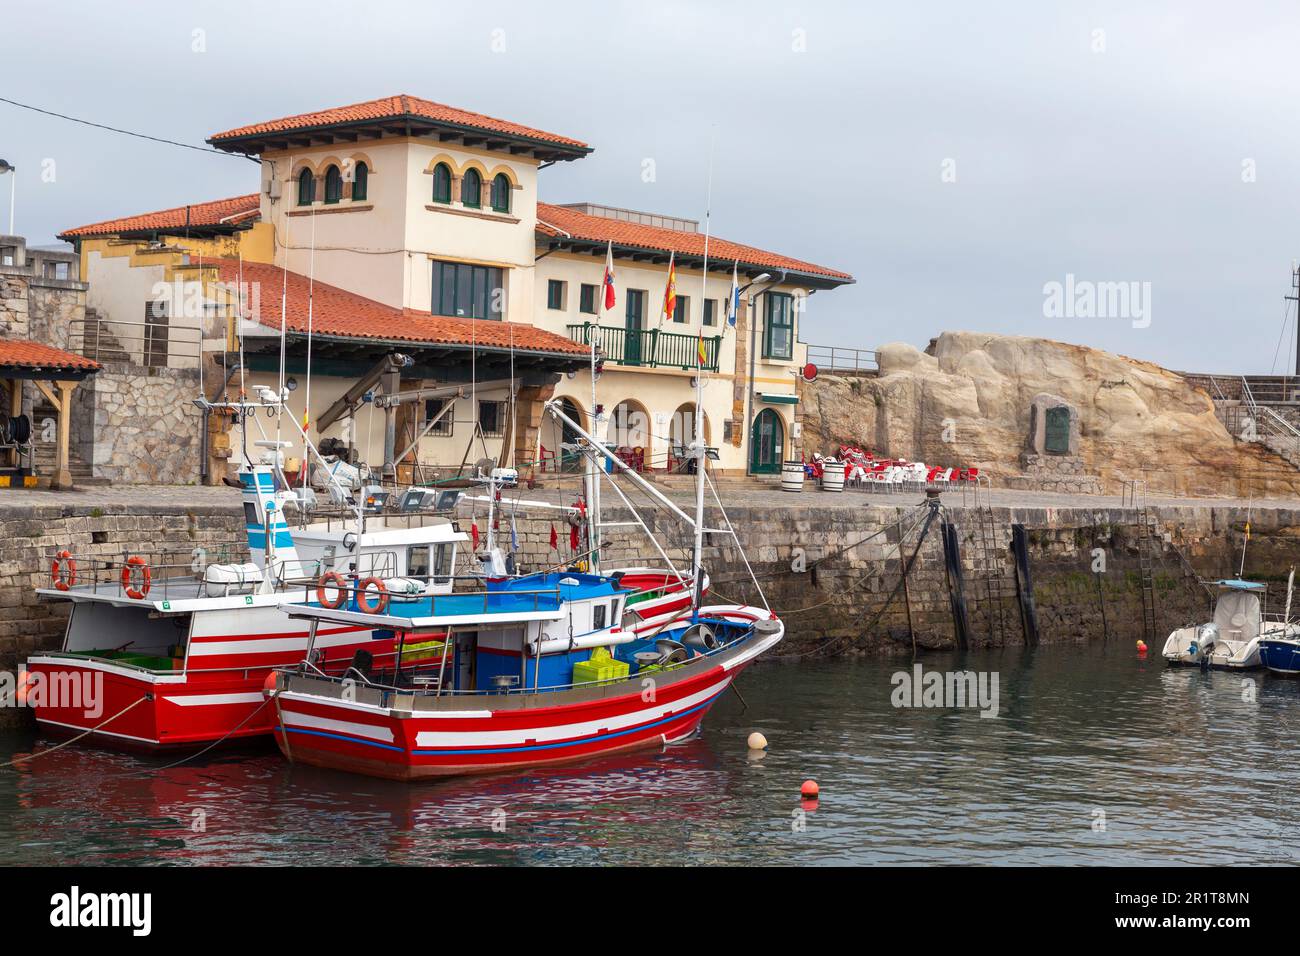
(199, 753)
(73, 740)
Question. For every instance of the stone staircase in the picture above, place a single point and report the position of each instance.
(83, 474)
(99, 343)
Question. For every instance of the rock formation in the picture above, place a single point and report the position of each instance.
(966, 400)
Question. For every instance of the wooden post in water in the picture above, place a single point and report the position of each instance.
(956, 583)
(1024, 584)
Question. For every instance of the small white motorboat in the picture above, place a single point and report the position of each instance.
(1232, 640)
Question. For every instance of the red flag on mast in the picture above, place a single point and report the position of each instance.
(609, 277)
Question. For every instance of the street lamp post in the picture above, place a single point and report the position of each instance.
(7, 167)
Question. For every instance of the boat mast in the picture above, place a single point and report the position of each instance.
(698, 450)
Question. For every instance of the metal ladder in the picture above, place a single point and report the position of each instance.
(993, 587)
(1135, 496)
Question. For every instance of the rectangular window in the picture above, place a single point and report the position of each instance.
(492, 419)
(587, 299)
(466, 291)
(682, 309)
(555, 294)
(155, 334)
(442, 557)
(432, 408)
(710, 312)
(8, 255)
(417, 561)
(598, 617)
(778, 327)
(56, 270)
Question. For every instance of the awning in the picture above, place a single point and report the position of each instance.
(770, 398)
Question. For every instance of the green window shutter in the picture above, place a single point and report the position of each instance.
(333, 185)
(442, 183)
(306, 188)
(360, 182)
(471, 189)
(501, 193)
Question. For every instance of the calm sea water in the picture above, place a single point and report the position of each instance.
(1185, 767)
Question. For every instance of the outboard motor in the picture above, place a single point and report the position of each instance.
(1207, 635)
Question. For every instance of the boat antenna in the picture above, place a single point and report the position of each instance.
(1241, 571)
(699, 451)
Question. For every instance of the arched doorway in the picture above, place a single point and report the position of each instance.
(629, 432)
(766, 443)
(559, 440)
(681, 432)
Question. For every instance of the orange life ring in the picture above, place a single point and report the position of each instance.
(61, 581)
(339, 582)
(380, 604)
(128, 575)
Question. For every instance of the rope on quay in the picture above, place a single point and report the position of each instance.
(73, 740)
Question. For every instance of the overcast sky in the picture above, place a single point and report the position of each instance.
(954, 157)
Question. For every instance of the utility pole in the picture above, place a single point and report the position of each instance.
(1295, 297)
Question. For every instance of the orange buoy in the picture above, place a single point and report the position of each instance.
(64, 579)
(809, 790)
(338, 582)
(379, 603)
(268, 685)
(134, 563)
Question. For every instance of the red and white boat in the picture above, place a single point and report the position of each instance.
(533, 670)
(162, 652)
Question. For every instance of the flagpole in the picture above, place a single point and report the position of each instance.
(701, 458)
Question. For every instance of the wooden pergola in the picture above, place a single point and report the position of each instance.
(55, 373)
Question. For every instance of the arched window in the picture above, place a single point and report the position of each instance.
(360, 180)
(333, 185)
(442, 183)
(306, 187)
(501, 193)
(471, 189)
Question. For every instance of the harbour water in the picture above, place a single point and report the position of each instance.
(1095, 757)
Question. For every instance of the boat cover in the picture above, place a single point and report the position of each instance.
(1237, 615)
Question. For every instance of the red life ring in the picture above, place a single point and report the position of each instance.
(61, 581)
(380, 604)
(128, 575)
(337, 581)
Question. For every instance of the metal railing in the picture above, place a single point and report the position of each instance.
(150, 344)
(843, 361)
(649, 348)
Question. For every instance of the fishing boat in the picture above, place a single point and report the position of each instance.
(528, 671)
(161, 650)
(1233, 639)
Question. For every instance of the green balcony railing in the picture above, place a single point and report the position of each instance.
(650, 348)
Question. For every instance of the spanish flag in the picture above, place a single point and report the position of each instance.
(699, 345)
(670, 292)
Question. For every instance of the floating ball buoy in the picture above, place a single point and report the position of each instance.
(809, 790)
(1142, 648)
(757, 741)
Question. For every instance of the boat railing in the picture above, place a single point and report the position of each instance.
(353, 590)
(390, 690)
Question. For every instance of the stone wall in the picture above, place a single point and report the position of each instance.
(146, 429)
(31, 536)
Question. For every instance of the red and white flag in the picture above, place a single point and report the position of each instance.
(609, 277)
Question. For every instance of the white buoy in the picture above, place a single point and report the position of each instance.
(757, 741)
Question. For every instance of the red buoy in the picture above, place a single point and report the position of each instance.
(809, 790)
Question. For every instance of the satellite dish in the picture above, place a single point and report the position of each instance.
(810, 372)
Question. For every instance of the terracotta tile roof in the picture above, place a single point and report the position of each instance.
(232, 211)
(392, 107)
(33, 355)
(581, 225)
(337, 312)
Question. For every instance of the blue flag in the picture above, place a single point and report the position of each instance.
(735, 294)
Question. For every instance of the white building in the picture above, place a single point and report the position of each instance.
(402, 225)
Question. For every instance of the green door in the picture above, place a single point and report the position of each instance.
(767, 444)
(635, 317)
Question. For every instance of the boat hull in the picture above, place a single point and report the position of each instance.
(401, 736)
(1280, 656)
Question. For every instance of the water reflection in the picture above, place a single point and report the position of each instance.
(1096, 757)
